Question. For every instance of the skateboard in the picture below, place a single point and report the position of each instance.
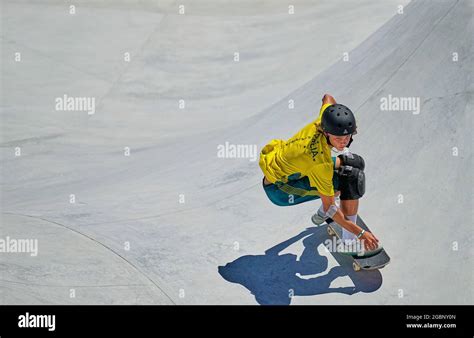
(374, 261)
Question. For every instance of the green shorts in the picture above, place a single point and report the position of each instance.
(295, 191)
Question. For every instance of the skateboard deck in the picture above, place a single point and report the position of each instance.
(376, 260)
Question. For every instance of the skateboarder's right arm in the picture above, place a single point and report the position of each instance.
(370, 241)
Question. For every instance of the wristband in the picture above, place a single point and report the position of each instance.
(361, 233)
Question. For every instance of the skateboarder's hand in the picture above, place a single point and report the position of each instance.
(370, 241)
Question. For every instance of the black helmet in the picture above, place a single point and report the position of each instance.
(338, 120)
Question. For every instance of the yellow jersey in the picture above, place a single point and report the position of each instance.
(305, 154)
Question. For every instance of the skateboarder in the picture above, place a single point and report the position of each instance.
(301, 169)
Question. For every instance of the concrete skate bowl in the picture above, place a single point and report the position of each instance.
(161, 225)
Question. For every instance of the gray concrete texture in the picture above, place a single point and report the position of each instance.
(173, 223)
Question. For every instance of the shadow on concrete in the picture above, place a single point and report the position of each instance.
(273, 278)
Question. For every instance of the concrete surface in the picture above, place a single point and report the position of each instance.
(173, 223)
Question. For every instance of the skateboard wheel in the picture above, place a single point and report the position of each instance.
(330, 232)
(355, 266)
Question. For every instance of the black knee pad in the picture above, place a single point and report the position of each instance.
(352, 160)
(351, 183)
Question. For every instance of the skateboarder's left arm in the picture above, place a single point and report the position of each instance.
(338, 217)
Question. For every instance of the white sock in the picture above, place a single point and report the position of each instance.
(321, 210)
(347, 235)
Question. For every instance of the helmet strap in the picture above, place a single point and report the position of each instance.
(349, 144)
(328, 141)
